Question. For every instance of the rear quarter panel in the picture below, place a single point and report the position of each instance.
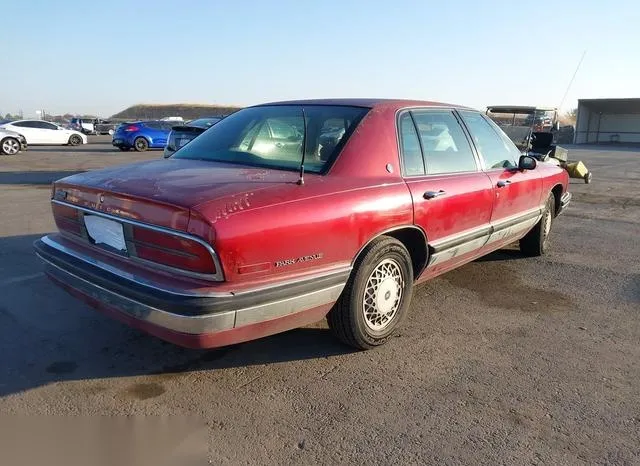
(266, 240)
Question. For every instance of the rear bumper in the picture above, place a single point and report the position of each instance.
(565, 200)
(191, 320)
(120, 142)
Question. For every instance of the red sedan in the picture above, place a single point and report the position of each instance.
(285, 213)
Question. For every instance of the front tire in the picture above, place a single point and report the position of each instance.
(9, 146)
(140, 144)
(376, 297)
(75, 140)
(536, 242)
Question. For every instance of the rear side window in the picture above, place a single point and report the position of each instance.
(412, 161)
(495, 148)
(26, 124)
(444, 144)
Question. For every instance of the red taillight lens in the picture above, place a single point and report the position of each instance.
(67, 219)
(131, 129)
(173, 251)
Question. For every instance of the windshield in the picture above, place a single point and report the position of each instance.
(272, 136)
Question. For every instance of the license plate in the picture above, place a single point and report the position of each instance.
(105, 231)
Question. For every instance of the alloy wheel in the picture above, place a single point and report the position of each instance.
(10, 147)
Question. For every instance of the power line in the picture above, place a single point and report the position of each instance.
(572, 78)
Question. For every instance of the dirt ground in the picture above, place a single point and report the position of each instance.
(506, 360)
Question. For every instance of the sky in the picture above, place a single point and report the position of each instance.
(101, 57)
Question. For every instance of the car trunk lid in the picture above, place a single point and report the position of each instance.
(163, 192)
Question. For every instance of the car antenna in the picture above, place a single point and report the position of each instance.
(304, 147)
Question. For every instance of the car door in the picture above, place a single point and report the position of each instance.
(50, 134)
(452, 196)
(517, 194)
(163, 134)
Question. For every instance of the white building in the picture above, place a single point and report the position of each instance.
(608, 120)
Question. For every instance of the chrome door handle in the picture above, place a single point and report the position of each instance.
(432, 194)
(502, 184)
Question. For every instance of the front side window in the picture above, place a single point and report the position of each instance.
(494, 146)
(46, 125)
(272, 136)
(444, 144)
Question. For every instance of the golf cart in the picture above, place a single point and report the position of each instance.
(534, 131)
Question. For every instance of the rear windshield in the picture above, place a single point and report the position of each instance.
(204, 122)
(272, 137)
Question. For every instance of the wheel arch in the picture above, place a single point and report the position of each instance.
(413, 238)
(557, 196)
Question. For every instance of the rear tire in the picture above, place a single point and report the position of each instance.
(376, 297)
(140, 144)
(536, 242)
(75, 140)
(9, 146)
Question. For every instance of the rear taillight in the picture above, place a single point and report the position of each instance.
(66, 219)
(131, 129)
(173, 251)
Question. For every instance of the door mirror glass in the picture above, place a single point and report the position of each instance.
(527, 163)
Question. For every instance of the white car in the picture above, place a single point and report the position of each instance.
(45, 133)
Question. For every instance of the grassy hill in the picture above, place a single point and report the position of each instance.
(186, 111)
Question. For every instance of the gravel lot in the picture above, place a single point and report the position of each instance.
(504, 361)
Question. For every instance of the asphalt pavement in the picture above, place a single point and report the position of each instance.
(507, 360)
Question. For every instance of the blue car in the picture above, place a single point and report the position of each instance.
(142, 135)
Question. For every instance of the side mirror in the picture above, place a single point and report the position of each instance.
(527, 163)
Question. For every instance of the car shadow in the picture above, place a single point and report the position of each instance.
(35, 177)
(49, 336)
(507, 254)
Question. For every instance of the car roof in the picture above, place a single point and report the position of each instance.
(35, 119)
(368, 103)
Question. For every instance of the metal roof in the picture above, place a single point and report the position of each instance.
(519, 109)
(627, 105)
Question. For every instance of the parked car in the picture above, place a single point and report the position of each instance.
(104, 127)
(83, 125)
(11, 142)
(142, 135)
(242, 233)
(40, 132)
(182, 134)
